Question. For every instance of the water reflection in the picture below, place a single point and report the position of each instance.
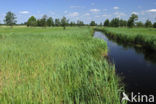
(136, 65)
(149, 55)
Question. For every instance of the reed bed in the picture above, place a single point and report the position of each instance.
(55, 66)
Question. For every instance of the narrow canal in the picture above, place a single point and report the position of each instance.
(135, 66)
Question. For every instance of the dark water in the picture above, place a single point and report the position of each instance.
(136, 66)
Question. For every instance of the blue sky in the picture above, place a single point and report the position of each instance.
(85, 10)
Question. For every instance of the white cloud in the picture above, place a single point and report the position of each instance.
(115, 8)
(119, 14)
(135, 13)
(151, 10)
(74, 14)
(24, 12)
(148, 12)
(94, 10)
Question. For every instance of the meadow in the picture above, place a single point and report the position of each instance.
(144, 37)
(55, 66)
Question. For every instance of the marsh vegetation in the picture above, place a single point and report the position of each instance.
(52, 65)
(142, 37)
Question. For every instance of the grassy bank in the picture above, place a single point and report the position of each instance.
(55, 66)
(146, 37)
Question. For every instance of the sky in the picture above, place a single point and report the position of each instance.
(85, 10)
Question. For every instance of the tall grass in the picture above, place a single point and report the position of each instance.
(55, 66)
(142, 36)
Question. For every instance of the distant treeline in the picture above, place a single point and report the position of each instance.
(131, 22)
(49, 21)
(45, 21)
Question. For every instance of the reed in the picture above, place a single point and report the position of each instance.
(55, 66)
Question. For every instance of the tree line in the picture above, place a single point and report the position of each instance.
(45, 21)
(131, 22)
(49, 21)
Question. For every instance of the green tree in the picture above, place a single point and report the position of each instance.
(10, 19)
(64, 22)
(57, 22)
(154, 24)
(122, 23)
(39, 22)
(72, 23)
(115, 22)
(92, 23)
(32, 21)
(132, 20)
(50, 21)
(80, 23)
(43, 21)
(139, 24)
(148, 23)
(106, 23)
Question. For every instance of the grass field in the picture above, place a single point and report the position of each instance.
(55, 66)
(142, 36)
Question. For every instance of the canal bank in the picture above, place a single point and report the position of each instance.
(135, 66)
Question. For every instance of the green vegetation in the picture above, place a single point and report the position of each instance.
(131, 21)
(115, 22)
(79, 23)
(10, 19)
(142, 36)
(148, 23)
(154, 25)
(32, 21)
(57, 22)
(139, 24)
(92, 23)
(55, 66)
(43, 21)
(106, 23)
(50, 22)
(64, 22)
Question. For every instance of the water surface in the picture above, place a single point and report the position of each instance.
(136, 66)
